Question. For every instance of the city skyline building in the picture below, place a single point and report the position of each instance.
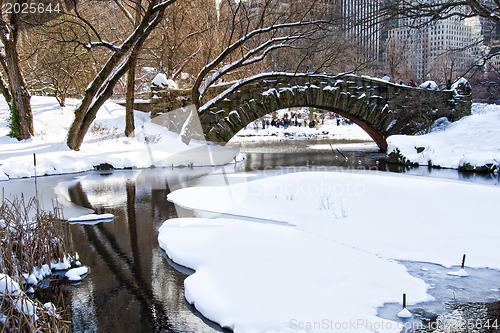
(359, 21)
(442, 49)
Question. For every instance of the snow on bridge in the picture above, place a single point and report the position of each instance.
(381, 108)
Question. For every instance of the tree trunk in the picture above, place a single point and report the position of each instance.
(129, 103)
(20, 101)
(99, 91)
(85, 115)
(5, 91)
(119, 62)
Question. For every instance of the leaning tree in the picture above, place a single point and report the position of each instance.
(122, 56)
(17, 16)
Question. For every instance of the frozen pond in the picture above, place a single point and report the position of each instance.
(482, 285)
(132, 287)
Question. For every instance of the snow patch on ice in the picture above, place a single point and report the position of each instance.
(462, 273)
(404, 313)
(92, 218)
(316, 266)
(75, 274)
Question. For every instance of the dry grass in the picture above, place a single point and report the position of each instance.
(152, 138)
(104, 132)
(15, 316)
(29, 238)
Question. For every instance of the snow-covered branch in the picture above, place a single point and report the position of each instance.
(423, 12)
(268, 75)
(101, 88)
(161, 5)
(250, 57)
(127, 13)
(202, 82)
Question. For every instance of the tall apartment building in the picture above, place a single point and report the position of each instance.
(358, 17)
(452, 44)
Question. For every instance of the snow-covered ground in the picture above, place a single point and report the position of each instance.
(329, 130)
(104, 143)
(320, 254)
(471, 142)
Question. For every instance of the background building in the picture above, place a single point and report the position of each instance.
(441, 50)
(359, 23)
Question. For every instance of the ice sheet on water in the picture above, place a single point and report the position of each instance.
(481, 285)
(92, 218)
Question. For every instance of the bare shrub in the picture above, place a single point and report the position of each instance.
(102, 131)
(30, 238)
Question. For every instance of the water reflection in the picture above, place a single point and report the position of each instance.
(131, 287)
(330, 153)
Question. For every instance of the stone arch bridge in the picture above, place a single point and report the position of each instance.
(381, 108)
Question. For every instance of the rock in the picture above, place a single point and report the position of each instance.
(103, 166)
(396, 157)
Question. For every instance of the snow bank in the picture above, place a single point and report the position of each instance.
(105, 143)
(75, 274)
(161, 80)
(328, 248)
(254, 277)
(471, 143)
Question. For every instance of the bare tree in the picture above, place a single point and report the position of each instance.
(54, 68)
(121, 57)
(13, 85)
(424, 12)
(188, 32)
(487, 83)
(445, 67)
(17, 16)
(256, 30)
(259, 35)
(396, 59)
(129, 99)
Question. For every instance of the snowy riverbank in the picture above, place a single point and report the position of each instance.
(324, 245)
(471, 143)
(104, 143)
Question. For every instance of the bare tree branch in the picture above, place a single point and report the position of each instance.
(200, 86)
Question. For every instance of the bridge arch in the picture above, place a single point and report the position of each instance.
(381, 108)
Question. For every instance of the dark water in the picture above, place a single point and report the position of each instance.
(131, 286)
(337, 154)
